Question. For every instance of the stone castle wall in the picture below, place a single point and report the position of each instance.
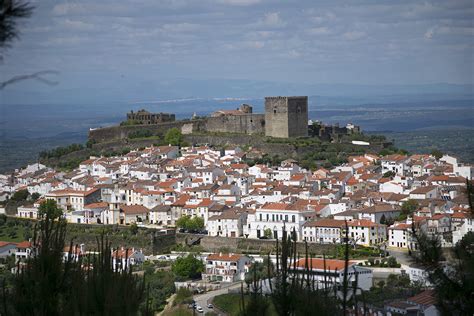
(242, 124)
(246, 124)
(121, 132)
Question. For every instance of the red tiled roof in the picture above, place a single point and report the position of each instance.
(425, 298)
(24, 244)
(224, 256)
(318, 264)
(133, 209)
(326, 223)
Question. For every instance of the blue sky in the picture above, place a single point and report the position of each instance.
(99, 44)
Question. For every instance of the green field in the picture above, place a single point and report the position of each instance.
(231, 304)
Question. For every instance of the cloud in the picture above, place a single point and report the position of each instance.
(272, 19)
(354, 35)
(294, 54)
(319, 31)
(429, 34)
(180, 27)
(239, 2)
(77, 25)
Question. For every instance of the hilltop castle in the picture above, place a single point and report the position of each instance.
(284, 117)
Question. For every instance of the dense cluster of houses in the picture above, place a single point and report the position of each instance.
(361, 199)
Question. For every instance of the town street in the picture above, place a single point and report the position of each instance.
(203, 299)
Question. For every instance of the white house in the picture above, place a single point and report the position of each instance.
(323, 231)
(228, 224)
(332, 272)
(395, 163)
(123, 258)
(23, 251)
(227, 267)
(366, 233)
(427, 192)
(276, 216)
(27, 211)
(398, 235)
(7, 249)
(69, 199)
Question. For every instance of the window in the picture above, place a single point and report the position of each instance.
(293, 218)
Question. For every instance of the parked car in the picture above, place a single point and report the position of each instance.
(199, 309)
(210, 306)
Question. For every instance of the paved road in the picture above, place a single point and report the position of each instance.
(401, 256)
(203, 299)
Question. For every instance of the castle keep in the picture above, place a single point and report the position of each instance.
(286, 116)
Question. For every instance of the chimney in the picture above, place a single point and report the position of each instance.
(220, 254)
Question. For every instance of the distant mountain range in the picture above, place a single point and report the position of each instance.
(143, 91)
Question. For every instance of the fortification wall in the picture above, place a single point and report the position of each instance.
(247, 124)
(243, 245)
(120, 132)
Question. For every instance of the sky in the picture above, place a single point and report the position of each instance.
(105, 44)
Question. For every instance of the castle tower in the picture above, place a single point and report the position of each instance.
(286, 116)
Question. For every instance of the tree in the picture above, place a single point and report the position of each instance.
(11, 13)
(173, 137)
(188, 223)
(133, 228)
(437, 153)
(187, 267)
(389, 174)
(408, 207)
(196, 223)
(454, 279)
(35, 196)
(20, 195)
(267, 233)
(183, 221)
(48, 284)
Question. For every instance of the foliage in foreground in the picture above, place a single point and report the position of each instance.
(453, 279)
(48, 284)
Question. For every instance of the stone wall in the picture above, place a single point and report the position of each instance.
(247, 124)
(244, 245)
(241, 124)
(120, 132)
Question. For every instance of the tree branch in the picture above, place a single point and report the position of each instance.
(36, 76)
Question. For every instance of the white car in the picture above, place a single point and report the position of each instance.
(199, 309)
